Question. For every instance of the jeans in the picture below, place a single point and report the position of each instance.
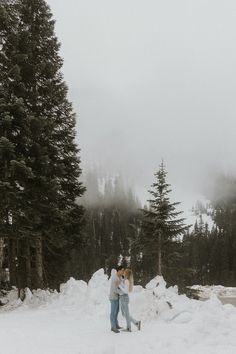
(114, 313)
(124, 302)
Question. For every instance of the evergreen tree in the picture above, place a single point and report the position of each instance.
(161, 227)
(14, 172)
(45, 139)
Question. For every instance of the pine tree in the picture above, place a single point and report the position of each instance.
(14, 172)
(161, 226)
(44, 145)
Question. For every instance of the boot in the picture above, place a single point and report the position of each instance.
(115, 330)
(127, 330)
(138, 324)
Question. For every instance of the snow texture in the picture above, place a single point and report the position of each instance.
(76, 321)
(207, 291)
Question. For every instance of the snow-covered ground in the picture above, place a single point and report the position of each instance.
(220, 291)
(76, 321)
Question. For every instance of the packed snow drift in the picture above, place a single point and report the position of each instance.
(76, 321)
(220, 291)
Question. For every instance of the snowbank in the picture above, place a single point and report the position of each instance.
(218, 290)
(154, 302)
(76, 320)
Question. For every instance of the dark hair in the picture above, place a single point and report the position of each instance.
(119, 268)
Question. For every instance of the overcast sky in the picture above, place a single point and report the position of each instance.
(150, 80)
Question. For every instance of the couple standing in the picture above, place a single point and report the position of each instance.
(121, 286)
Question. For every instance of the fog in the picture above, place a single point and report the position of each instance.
(151, 80)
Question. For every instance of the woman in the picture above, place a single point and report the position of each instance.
(126, 286)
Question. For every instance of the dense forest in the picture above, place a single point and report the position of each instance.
(209, 253)
(117, 231)
(50, 228)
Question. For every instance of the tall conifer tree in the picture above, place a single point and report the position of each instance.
(161, 225)
(46, 142)
(14, 120)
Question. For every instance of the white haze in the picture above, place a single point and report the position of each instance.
(150, 80)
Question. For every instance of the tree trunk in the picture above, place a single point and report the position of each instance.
(24, 264)
(1, 257)
(159, 267)
(12, 256)
(39, 262)
(28, 264)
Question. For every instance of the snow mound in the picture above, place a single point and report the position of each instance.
(154, 302)
(98, 287)
(76, 320)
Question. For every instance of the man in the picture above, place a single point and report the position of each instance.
(114, 298)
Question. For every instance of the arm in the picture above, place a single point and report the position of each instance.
(117, 282)
(124, 287)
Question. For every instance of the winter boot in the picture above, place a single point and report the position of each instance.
(115, 330)
(127, 330)
(138, 324)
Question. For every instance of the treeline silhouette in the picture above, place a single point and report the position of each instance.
(116, 231)
(209, 254)
(112, 217)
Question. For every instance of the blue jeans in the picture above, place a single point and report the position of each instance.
(114, 313)
(124, 302)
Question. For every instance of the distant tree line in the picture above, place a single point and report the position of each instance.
(119, 230)
(210, 253)
(155, 239)
(112, 210)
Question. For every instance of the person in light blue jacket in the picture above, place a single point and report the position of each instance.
(126, 287)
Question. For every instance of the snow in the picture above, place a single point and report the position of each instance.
(201, 212)
(207, 291)
(76, 321)
(205, 218)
